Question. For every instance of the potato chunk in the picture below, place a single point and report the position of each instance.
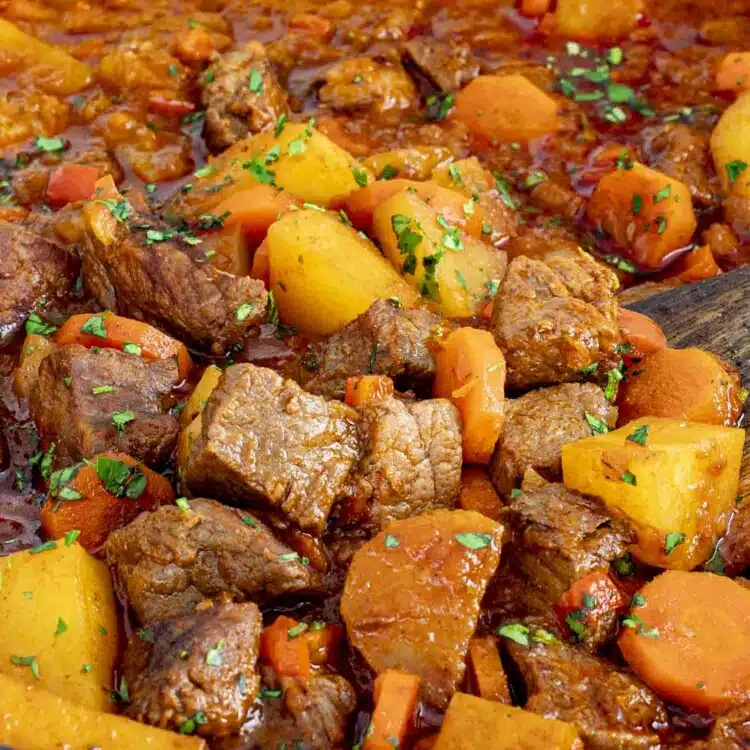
(675, 481)
(58, 626)
(412, 595)
(471, 721)
(447, 266)
(730, 147)
(323, 274)
(648, 214)
(194, 405)
(35, 719)
(594, 20)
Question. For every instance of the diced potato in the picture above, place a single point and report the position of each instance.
(470, 722)
(194, 405)
(469, 176)
(507, 108)
(53, 70)
(35, 349)
(323, 274)
(458, 266)
(410, 163)
(36, 719)
(57, 607)
(647, 213)
(675, 482)
(594, 20)
(730, 147)
(734, 72)
(300, 159)
(188, 436)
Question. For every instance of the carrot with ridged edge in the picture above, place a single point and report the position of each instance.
(396, 695)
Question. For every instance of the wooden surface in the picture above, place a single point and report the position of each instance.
(713, 315)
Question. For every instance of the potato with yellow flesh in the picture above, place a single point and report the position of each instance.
(300, 160)
(409, 163)
(447, 267)
(188, 436)
(35, 719)
(470, 722)
(58, 624)
(676, 483)
(194, 405)
(647, 213)
(730, 147)
(594, 20)
(52, 69)
(35, 349)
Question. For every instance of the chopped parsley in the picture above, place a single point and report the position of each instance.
(503, 188)
(71, 537)
(597, 426)
(46, 547)
(38, 326)
(255, 81)
(120, 209)
(62, 626)
(516, 632)
(391, 542)
(614, 376)
(49, 145)
(639, 435)
(388, 172)
(210, 221)
(120, 419)
(297, 630)
(27, 661)
(183, 504)
(408, 241)
(534, 178)
(452, 237)
(120, 479)
(189, 726)
(259, 171)
(628, 477)
(99, 389)
(94, 326)
(735, 169)
(663, 194)
(130, 348)
(280, 124)
(473, 540)
(360, 176)
(214, 655)
(637, 204)
(243, 312)
(673, 540)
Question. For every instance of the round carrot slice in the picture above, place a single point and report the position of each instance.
(642, 333)
(687, 637)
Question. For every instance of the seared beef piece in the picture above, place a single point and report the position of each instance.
(537, 426)
(170, 560)
(557, 198)
(242, 97)
(202, 663)
(734, 548)
(385, 340)
(70, 413)
(682, 153)
(737, 215)
(612, 709)
(33, 270)
(167, 282)
(411, 458)
(555, 318)
(560, 537)
(731, 732)
(449, 66)
(267, 442)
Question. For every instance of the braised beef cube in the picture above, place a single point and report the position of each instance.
(449, 66)
(266, 442)
(171, 560)
(411, 459)
(384, 340)
(145, 269)
(33, 270)
(612, 709)
(241, 95)
(538, 424)
(560, 537)
(731, 732)
(196, 673)
(733, 554)
(80, 392)
(556, 320)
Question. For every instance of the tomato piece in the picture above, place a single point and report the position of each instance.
(70, 183)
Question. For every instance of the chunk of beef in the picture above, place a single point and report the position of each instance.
(612, 709)
(33, 270)
(538, 424)
(731, 732)
(560, 537)
(411, 460)
(737, 215)
(555, 318)
(200, 664)
(557, 198)
(412, 596)
(266, 441)
(78, 391)
(242, 96)
(146, 270)
(385, 339)
(170, 560)
(734, 548)
(449, 66)
(682, 153)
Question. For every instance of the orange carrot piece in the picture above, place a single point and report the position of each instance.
(734, 73)
(282, 647)
(167, 107)
(687, 637)
(492, 682)
(477, 493)
(698, 265)
(642, 333)
(396, 695)
(97, 513)
(118, 333)
(363, 388)
(70, 183)
(470, 371)
(324, 643)
(589, 598)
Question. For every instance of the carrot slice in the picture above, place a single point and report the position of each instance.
(477, 493)
(470, 371)
(111, 331)
(687, 637)
(83, 502)
(492, 682)
(366, 387)
(282, 647)
(643, 335)
(396, 695)
(70, 183)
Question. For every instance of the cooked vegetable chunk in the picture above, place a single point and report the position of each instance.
(488, 671)
(641, 333)
(39, 720)
(593, 21)
(396, 695)
(675, 481)
(412, 595)
(730, 147)
(470, 722)
(734, 72)
(686, 636)
(198, 398)
(323, 274)
(64, 601)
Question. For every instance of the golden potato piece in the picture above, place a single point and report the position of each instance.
(730, 147)
(594, 20)
(194, 405)
(412, 595)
